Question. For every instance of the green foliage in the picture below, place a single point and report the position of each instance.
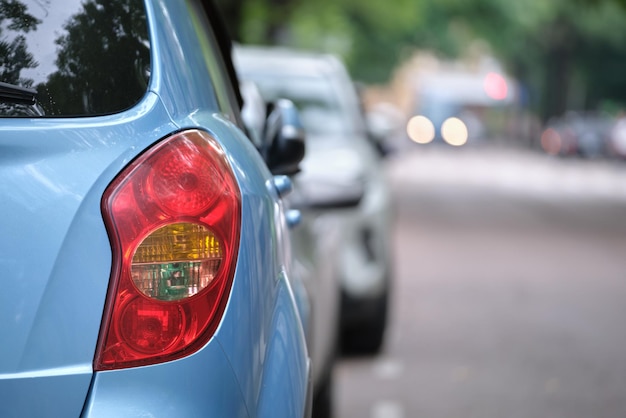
(566, 52)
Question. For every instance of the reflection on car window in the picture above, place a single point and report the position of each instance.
(84, 58)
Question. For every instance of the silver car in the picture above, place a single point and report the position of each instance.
(341, 189)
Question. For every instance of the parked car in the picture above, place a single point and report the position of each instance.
(584, 134)
(145, 239)
(617, 138)
(558, 138)
(341, 189)
(460, 106)
(311, 253)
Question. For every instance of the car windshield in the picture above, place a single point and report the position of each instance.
(72, 57)
(320, 110)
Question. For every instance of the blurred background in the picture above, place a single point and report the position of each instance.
(502, 124)
(560, 54)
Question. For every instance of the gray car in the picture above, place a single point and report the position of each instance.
(341, 188)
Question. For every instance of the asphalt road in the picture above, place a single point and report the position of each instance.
(510, 292)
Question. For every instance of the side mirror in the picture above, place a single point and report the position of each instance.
(284, 144)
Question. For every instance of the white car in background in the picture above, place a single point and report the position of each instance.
(341, 190)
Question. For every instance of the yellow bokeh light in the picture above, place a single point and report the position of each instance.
(420, 129)
(454, 132)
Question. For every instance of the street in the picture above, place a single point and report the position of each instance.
(510, 291)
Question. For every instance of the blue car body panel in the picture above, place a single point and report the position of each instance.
(201, 385)
(56, 247)
(56, 259)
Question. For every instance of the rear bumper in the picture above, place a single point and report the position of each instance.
(44, 393)
(170, 390)
(206, 383)
(197, 386)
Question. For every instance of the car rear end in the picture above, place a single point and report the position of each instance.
(135, 283)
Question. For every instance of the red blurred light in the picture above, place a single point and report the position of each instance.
(551, 141)
(495, 86)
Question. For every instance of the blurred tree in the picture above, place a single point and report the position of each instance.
(567, 53)
(370, 35)
(265, 21)
(232, 11)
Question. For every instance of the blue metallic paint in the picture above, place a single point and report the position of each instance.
(201, 385)
(54, 172)
(250, 321)
(54, 245)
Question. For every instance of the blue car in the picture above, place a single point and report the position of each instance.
(145, 244)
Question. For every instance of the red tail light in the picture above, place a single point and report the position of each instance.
(173, 219)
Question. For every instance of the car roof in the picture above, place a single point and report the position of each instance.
(260, 59)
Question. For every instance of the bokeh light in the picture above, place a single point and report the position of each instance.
(551, 141)
(420, 129)
(454, 132)
(495, 86)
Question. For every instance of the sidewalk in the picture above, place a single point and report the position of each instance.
(509, 171)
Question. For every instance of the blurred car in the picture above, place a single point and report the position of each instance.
(342, 191)
(311, 253)
(617, 138)
(145, 240)
(558, 138)
(459, 107)
(584, 134)
(385, 125)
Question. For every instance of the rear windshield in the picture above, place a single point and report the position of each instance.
(61, 58)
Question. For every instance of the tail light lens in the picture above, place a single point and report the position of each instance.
(173, 218)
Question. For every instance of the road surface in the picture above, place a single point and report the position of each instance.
(510, 292)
